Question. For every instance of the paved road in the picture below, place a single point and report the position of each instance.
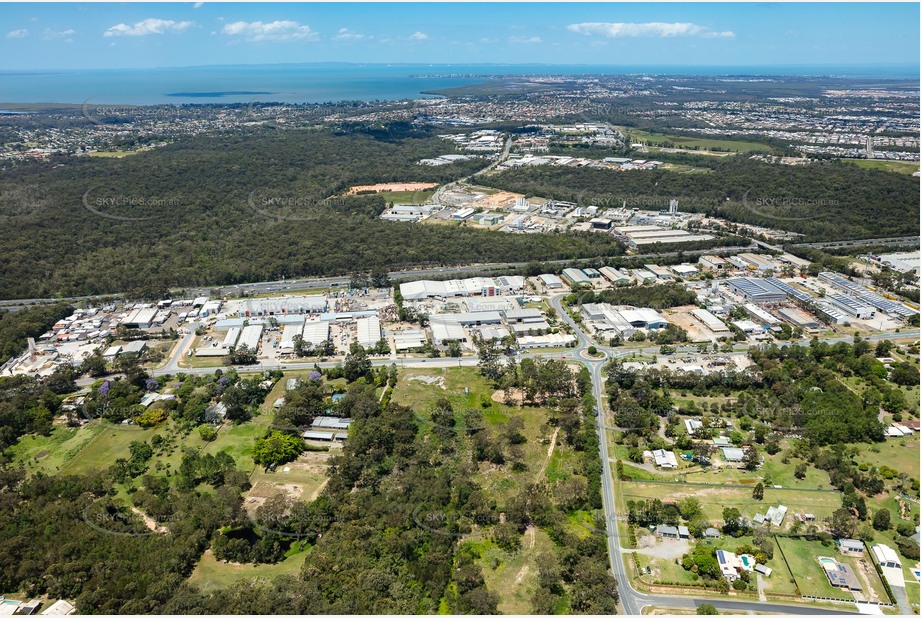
(632, 601)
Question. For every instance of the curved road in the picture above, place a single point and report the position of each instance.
(632, 601)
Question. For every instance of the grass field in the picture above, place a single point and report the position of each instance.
(113, 154)
(900, 454)
(680, 141)
(49, 454)
(899, 167)
(407, 197)
(715, 499)
(211, 574)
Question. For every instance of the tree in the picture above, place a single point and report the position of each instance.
(276, 448)
(841, 524)
(882, 520)
(357, 364)
(751, 459)
(242, 355)
(94, 364)
(207, 432)
(758, 492)
(800, 471)
(706, 609)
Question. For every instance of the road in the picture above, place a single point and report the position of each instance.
(633, 601)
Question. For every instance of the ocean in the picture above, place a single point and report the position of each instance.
(318, 83)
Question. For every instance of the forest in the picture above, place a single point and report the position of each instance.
(824, 201)
(240, 208)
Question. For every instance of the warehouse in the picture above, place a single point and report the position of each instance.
(662, 235)
(140, 318)
(134, 347)
(747, 326)
(617, 277)
(713, 262)
(502, 304)
(408, 340)
(797, 317)
(553, 340)
(753, 261)
(492, 333)
(759, 314)
(710, 321)
(523, 315)
(286, 345)
(607, 320)
(250, 336)
(510, 284)
(368, 331)
(685, 270)
(644, 318)
(851, 306)
(282, 306)
(643, 276)
(476, 286)
(230, 339)
(551, 282)
(659, 271)
(829, 313)
(463, 214)
(757, 290)
(315, 332)
(446, 330)
(574, 276)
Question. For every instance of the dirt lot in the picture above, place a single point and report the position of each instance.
(392, 186)
(697, 332)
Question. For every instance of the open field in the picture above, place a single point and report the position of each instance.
(513, 575)
(899, 167)
(407, 197)
(211, 574)
(49, 454)
(715, 499)
(702, 143)
(113, 154)
(900, 454)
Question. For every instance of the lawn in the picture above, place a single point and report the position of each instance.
(802, 556)
(901, 454)
(211, 574)
(50, 453)
(407, 197)
(109, 444)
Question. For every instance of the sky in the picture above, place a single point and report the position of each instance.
(43, 36)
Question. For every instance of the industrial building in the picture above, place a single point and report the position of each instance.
(636, 235)
(605, 319)
(288, 333)
(753, 261)
(759, 291)
(797, 317)
(140, 318)
(660, 272)
(643, 276)
(713, 262)
(408, 340)
(852, 306)
(616, 277)
(710, 321)
(760, 315)
(551, 282)
(297, 305)
(315, 332)
(574, 276)
(476, 286)
(250, 336)
(685, 270)
(368, 331)
(829, 313)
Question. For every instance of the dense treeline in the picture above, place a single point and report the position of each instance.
(823, 201)
(658, 296)
(224, 210)
(17, 326)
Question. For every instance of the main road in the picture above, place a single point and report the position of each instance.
(633, 601)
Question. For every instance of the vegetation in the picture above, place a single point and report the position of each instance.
(855, 202)
(215, 203)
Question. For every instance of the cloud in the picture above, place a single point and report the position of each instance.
(277, 31)
(418, 36)
(649, 29)
(148, 27)
(17, 34)
(345, 35)
(50, 34)
(524, 40)
(198, 5)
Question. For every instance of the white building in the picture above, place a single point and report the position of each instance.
(368, 331)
